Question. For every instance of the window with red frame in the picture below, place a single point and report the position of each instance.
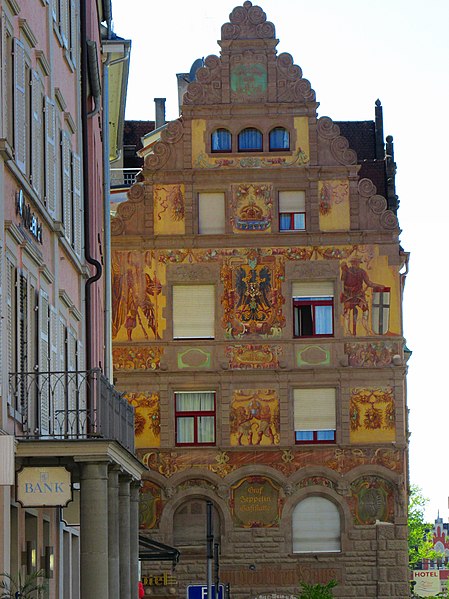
(195, 417)
(313, 309)
(314, 415)
(292, 211)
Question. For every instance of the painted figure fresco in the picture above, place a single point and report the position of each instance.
(254, 417)
(353, 297)
(147, 419)
(135, 292)
(150, 505)
(334, 205)
(372, 415)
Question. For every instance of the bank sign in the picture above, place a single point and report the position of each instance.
(44, 486)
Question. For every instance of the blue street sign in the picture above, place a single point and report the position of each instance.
(199, 591)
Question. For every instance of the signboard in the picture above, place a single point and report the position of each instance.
(427, 582)
(43, 486)
(255, 502)
(199, 591)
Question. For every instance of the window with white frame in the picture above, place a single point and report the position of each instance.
(381, 311)
(315, 418)
(195, 417)
(193, 311)
(313, 309)
(292, 210)
(316, 526)
(211, 213)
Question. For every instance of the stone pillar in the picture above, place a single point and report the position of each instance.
(124, 536)
(134, 536)
(114, 539)
(94, 530)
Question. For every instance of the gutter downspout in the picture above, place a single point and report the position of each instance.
(108, 370)
(85, 153)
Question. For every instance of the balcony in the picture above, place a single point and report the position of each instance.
(123, 177)
(69, 406)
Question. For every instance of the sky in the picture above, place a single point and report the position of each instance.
(352, 52)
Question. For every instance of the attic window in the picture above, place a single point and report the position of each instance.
(279, 139)
(250, 140)
(221, 141)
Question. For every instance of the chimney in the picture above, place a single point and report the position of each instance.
(160, 112)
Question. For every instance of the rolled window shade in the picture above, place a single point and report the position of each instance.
(193, 311)
(211, 208)
(314, 409)
(313, 289)
(292, 201)
(316, 526)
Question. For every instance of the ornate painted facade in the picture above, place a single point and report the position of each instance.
(257, 327)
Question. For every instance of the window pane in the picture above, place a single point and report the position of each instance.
(185, 429)
(279, 139)
(206, 432)
(195, 402)
(304, 435)
(323, 320)
(221, 141)
(305, 321)
(299, 222)
(250, 139)
(325, 435)
(284, 222)
(211, 208)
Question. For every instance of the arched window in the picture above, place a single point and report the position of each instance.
(250, 140)
(221, 141)
(190, 522)
(279, 139)
(316, 526)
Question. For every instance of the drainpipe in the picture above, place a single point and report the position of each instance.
(85, 154)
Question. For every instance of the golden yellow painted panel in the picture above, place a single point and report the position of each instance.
(147, 424)
(301, 124)
(334, 205)
(198, 144)
(372, 415)
(254, 417)
(169, 209)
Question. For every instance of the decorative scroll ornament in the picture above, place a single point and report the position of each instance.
(162, 148)
(339, 145)
(291, 85)
(206, 88)
(248, 22)
(378, 204)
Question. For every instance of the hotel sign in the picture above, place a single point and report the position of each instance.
(44, 486)
(29, 219)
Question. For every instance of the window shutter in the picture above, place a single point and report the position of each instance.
(316, 526)
(20, 120)
(37, 94)
(11, 323)
(54, 9)
(77, 208)
(71, 368)
(314, 409)
(1, 323)
(193, 311)
(82, 383)
(50, 156)
(5, 57)
(60, 388)
(64, 21)
(313, 289)
(44, 355)
(66, 174)
(211, 208)
(292, 201)
(73, 33)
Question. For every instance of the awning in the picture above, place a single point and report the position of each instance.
(152, 551)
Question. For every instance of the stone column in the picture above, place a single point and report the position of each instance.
(94, 530)
(124, 536)
(114, 539)
(134, 536)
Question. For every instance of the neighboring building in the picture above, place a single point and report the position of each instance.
(257, 280)
(66, 435)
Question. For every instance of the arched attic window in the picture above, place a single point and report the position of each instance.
(221, 141)
(279, 139)
(250, 140)
(316, 526)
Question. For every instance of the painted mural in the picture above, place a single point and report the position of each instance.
(136, 357)
(371, 499)
(252, 356)
(256, 502)
(254, 417)
(372, 415)
(334, 205)
(287, 461)
(248, 81)
(150, 505)
(137, 300)
(252, 300)
(251, 205)
(169, 209)
(313, 355)
(367, 355)
(193, 357)
(147, 419)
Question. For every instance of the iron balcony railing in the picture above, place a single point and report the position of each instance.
(70, 405)
(123, 177)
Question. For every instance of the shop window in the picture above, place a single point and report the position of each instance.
(195, 418)
(279, 139)
(221, 141)
(314, 415)
(211, 213)
(292, 211)
(316, 526)
(250, 140)
(313, 307)
(193, 311)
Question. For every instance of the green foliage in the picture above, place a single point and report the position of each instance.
(419, 544)
(28, 586)
(317, 591)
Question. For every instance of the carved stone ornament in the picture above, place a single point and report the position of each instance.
(377, 204)
(206, 88)
(162, 151)
(339, 145)
(248, 22)
(291, 86)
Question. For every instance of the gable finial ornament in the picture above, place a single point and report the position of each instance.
(248, 22)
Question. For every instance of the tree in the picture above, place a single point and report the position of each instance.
(22, 586)
(317, 591)
(419, 544)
